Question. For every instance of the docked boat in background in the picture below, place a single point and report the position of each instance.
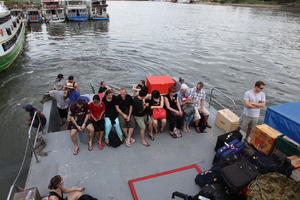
(34, 15)
(53, 11)
(12, 37)
(77, 10)
(98, 10)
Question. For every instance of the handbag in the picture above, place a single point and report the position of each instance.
(188, 109)
(159, 113)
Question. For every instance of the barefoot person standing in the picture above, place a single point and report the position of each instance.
(254, 100)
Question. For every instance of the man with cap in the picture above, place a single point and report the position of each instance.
(40, 118)
(59, 82)
(73, 83)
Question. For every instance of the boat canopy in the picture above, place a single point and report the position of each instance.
(285, 118)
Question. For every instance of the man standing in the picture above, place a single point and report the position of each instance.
(198, 97)
(124, 106)
(79, 121)
(141, 116)
(254, 100)
(61, 103)
(59, 82)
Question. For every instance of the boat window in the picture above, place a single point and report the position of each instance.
(8, 44)
(8, 31)
(18, 21)
(4, 19)
(15, 24)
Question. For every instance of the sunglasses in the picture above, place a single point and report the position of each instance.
(173, 91)
(261, 88)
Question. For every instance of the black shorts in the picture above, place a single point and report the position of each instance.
(98, 125)
(63, 113)
(79, 123)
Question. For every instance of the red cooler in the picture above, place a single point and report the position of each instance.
(160, 83)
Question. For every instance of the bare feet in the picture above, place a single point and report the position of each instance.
(76, 150)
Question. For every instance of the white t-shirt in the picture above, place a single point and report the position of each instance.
(253, 97)
(59, 97)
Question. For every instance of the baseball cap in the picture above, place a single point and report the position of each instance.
(60, 76)
(28, 107)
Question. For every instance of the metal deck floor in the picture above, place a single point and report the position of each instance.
(105, 173)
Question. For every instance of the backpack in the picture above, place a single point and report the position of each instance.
(114, 140)
(273, 186)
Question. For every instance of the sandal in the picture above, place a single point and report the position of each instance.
(173, 135)
(132, 140)
(75, 152)
(151, 137)
(127, 143)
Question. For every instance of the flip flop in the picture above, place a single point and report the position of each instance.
(76, 152)
(173, 135)
(146, 145)
(151, 137)
(90, 147)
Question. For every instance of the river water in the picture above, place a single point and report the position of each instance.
(223, 46)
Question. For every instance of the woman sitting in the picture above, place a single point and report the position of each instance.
(174, 112)
(157, 111)
(57, 190)
(186, 106)
(111, 115)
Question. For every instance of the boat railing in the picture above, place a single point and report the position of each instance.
(212, 98)
(30, 148)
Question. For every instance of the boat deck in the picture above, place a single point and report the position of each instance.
(105, 173)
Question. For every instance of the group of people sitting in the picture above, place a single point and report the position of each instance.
(123, 112)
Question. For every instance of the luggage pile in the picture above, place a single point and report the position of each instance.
(262, 170)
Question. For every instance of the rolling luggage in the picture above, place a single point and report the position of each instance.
(227, 137)
(238, 175)
(229, 152)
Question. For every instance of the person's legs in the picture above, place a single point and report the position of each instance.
(73, 134)
(206, 115)
(154, 124)
(163, 125)
(75, 195)
(107, 129)
(123, 125)
(90, 129)
(141, 123)
(171, 123)
(148, 121)
(118, 128)
(197, 119)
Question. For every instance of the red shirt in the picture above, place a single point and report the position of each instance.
(97, 110)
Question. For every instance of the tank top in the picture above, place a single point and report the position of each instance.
(51, 193)
(172, 101)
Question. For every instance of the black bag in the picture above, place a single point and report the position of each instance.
(226, 138)
(248, 151)
(238, 175)
(265, 164)
(114, 140)
(86, 197)
(284, 164)
(208, 177)
(214, 192)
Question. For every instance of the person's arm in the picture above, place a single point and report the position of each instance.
(130, 112)
(120, 112)
(77, 86)
(70, 190)
(41, 114)
(202, 104)
(161, 104)
(72, 115)
(178, 106)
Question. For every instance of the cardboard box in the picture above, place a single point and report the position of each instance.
(264, 137)
(160, 83)
(295, 161)
(226, 120)
(296, 175)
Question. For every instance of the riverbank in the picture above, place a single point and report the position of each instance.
(293, 6)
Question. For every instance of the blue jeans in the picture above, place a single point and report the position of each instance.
(108, 126)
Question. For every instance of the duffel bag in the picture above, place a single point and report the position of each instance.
(227, 137)
(273, 186)
(208, 177)
(238, 175)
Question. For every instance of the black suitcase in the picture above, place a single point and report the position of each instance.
(238, 175)
(228, 137)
